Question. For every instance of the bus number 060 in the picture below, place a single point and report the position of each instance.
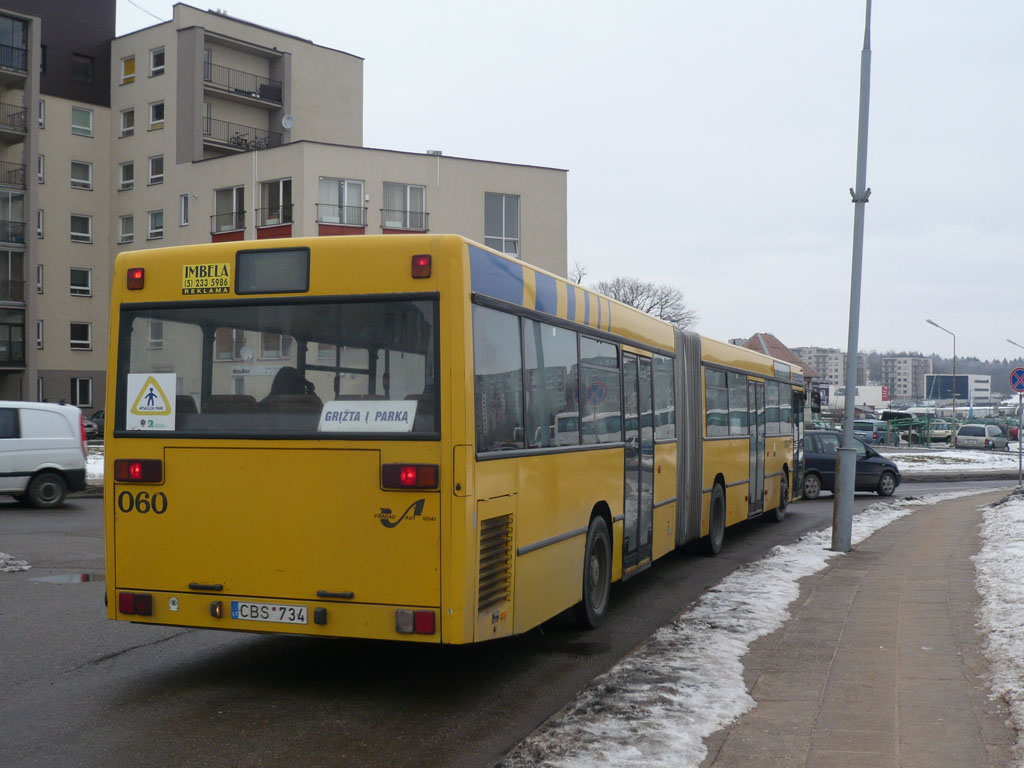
(142, 502)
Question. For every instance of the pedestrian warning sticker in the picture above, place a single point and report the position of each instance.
(151, 401)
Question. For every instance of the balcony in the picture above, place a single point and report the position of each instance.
(12, 174)
(274, 216)
(229, 226)
(13, 64)
(243, 87)
(345, 215)
(392, 219)
(12, 232)
(232, 137)
(12, 123)
(12, 290)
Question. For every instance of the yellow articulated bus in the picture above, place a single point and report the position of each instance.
(412, 438)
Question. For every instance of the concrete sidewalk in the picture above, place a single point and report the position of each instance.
(880, 664)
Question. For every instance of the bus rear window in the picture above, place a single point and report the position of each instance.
(298, 369)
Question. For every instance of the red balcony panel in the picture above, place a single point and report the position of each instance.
(278, 230)
(340, 229)
(227, 237)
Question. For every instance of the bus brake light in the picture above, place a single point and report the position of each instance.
(408, 476)
(136, 278)
(138, 470)
(421, 265)
(135, 603)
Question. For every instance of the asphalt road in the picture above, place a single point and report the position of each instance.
(78, 689)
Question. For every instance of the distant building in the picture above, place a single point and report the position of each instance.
(830, 364)
(970, 387)
(905, 376)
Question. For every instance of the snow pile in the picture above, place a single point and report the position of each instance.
(1000, 567)
(9, 565)
(953, 460)
(94, 466)
(656, 706)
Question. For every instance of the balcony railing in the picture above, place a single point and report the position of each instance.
(350, 215)
(12, 290)
(12, 117)
(13, 58)
(227, 222)
(12, 232)
(243, 83)
(12, 174)
(391, 218)
(274, 216)
(239, 136)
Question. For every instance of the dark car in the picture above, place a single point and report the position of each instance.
(875, 473)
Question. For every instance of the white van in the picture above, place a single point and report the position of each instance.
(42, 451)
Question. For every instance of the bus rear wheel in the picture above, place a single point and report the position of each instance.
(597, 576)
(780, 511)
(716, 534)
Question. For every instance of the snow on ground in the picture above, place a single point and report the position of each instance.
(1000, 580)
(656, 706)
(94, 465)
(9, 565)
(952, 459)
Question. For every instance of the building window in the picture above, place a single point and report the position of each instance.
(127, 122)
(81, 392)
(207, 118)
(340, 201)
(228, 209)
(39, 278)
(12, 276)
(81, 335)
(156, 170)
(183, 210)
(156, 115)
(39, 223)
(156, 334)
(277, 203)
(156, 225)
(81, 282)
(127, 175)
(156, 62)
(501, 222)
(12, 336)
(81, 175)
(41, 169)
(207, 64)
(275, 346)
(81, 121)
(404, 207)
(39, 334)
(127, 70)
(81, 228)
(229, 343)
(127, 229)
(42, 113)
(83, 67)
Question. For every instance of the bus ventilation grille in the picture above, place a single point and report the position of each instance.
(495, 561)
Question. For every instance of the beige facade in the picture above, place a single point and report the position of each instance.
(220, 130)
(905, 376)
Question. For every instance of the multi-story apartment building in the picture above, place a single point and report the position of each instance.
(904, 376)
(206, 128)
(831, 365)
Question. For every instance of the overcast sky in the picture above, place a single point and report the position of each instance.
(711, 145)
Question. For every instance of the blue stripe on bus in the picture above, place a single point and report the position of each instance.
(586, 308)
(609, 312)
(570, 306)
(495, 277)
(598, 311)
(547, 294)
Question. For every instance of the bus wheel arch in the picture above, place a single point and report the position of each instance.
(716, 517)
(597, 569)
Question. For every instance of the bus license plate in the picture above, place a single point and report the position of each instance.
(279, 614)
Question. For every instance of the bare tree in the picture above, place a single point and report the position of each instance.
(577, 272)
(662, 301)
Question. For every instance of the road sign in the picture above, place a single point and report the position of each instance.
(1017, 379)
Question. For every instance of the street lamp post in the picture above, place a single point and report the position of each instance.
(932, 322)
(1020, 430)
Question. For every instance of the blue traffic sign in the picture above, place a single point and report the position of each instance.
(1017, 379)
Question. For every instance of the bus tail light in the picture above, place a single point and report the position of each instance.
(136, 278)
(399, 476)
(81, 423)
(135, 603)
(138, 470)
(414, 622)
(421, 265)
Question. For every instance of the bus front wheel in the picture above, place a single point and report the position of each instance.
(597, 575)
(716, 535)
(780, 511)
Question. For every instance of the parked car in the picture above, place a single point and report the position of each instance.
(986, 436)
(870, 431)
(97, 416)
(92, 429)
(874, 472)
(941, 432)
(42, 451)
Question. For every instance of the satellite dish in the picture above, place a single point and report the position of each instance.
(287, 122)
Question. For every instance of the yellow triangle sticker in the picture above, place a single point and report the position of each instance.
(151, 400)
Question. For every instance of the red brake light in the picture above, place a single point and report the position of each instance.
(408, 476)
(421, 265)
(138, 470)
(137, 603)
(81, 423)
(136, 278)
(424, 622)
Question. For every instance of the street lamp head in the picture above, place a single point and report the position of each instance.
(932, 322)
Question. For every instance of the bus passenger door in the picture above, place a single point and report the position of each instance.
(756, 420)
(638, 488)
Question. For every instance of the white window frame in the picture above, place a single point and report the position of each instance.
(126, 183)
(155, 234)
(156, 340)
(345, 204)
(81, 290)
(155, 124)
(79, 344)
(79, 237)
(501, 243)
(183, 210)
(407, 212)
(39, 334)
(81, 182)
(76, 131)
(39, 278)
(156, 178)
(41, 119)
(125, 78)
(129, 236)
(270, 189)
(39, 223)
(76, 382)
(155, 70)
(128, 130)
(41, 169)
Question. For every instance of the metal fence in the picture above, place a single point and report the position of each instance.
(244, 83)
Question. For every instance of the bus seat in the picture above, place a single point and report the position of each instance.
(184, 404)
(230, 404)
(293, 404)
